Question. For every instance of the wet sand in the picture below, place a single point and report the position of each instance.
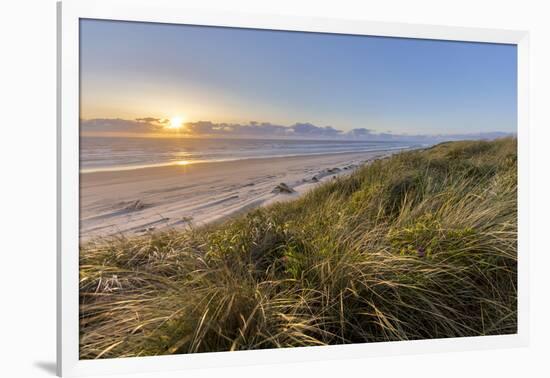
(134, 202)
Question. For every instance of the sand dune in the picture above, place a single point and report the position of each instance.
(134, 202)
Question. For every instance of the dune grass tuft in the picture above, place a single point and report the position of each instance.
(419, 245)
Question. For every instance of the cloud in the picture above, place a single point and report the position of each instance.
(306, 129)
(151, 126)
(154, 122)
(261, 129)
(116, 125)
(146, 125)
(361, 132)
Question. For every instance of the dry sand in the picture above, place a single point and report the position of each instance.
(135, 202)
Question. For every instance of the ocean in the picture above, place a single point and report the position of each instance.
(119, 153)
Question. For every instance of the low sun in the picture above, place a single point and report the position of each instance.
(176, 123)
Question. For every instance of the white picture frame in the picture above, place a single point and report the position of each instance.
(164, 11)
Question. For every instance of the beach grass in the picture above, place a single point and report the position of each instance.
(419, 245)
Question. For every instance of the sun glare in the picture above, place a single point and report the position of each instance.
(176, 123)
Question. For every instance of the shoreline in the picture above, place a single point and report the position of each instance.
(140, 201)
(193, 162)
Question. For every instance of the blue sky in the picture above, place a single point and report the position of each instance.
(226, 75)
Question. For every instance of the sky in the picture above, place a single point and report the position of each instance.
(138, 76)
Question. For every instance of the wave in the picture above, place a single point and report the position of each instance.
(99, 154)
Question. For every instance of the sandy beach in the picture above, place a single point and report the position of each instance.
(134, 202)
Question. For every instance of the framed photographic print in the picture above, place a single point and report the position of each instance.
(242, 187)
